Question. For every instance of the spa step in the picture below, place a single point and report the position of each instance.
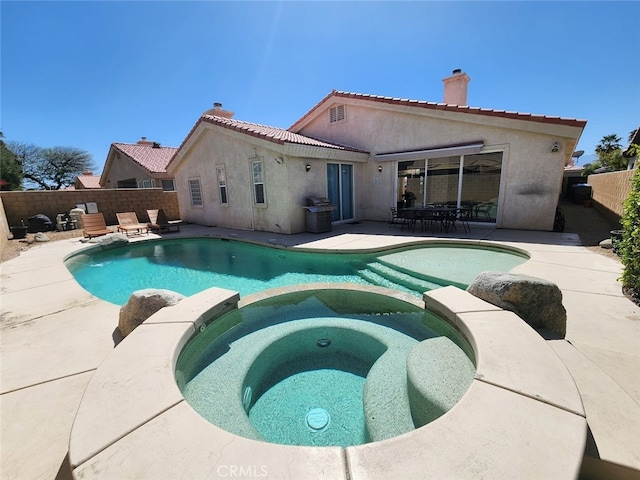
(398, 277)
(377, 279)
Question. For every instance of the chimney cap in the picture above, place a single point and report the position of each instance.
(218, 111)
(457, 71)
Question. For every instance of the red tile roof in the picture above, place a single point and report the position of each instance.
(153, 159)
(89, 181)
(444, 106)
(271, 134)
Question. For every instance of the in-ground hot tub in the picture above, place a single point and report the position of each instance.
(521, 415)
(325, 367)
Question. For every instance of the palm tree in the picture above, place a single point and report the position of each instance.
(609, 144)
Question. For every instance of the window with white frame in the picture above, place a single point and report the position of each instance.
(336, 114)
(148, 183)
(195, 192)
(258, 182)
(222, 184)
(168, 185)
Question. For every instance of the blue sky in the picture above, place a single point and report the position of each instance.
(88, 73)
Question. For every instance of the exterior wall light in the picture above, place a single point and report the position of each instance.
(379, 168)
(307, 167)
(555, 147)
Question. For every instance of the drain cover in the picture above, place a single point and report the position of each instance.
(318, 418)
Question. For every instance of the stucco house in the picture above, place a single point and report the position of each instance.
(631, 152)
(87, 181)
(139, 165)
(364, 152)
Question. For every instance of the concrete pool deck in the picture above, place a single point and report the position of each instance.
(50, 350)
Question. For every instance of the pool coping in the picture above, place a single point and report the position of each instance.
(133, 421)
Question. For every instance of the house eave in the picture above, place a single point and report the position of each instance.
(433, 152)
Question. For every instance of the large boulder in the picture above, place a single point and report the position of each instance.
(142, 304)
(538, 302)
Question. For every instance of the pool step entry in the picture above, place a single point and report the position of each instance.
(385, 275)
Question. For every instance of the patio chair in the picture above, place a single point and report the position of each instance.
(128, 224)
(93, 225)
(465, 214)
(483, 211)
(158, 221)
(396, 219)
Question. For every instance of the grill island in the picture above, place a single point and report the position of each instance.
(319, 211)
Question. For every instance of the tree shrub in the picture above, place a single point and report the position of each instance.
(630, 245)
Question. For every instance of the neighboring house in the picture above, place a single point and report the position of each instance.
(139, 165)
(631, 152)
(364, 152)
(87, 181)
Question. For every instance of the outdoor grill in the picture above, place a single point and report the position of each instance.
(319, 212)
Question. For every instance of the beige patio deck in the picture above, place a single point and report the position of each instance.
(54, 335)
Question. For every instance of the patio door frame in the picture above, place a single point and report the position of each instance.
(342, 195)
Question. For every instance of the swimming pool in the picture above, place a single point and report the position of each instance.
(191, 265)
(328, 367)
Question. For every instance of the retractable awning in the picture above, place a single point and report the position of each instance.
(434, 152)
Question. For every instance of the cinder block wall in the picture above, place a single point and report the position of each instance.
(610, 190)
(22, 205)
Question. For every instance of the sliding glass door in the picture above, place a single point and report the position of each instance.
(471, 181)
(340, 190)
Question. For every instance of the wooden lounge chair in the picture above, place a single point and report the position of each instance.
(93, 225)
(128, 224)
(158, 222)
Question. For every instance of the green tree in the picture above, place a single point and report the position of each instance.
(609, 152)
(10, 170)
(51, 168)
(630, 244)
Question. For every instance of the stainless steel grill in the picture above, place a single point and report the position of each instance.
(319, 210)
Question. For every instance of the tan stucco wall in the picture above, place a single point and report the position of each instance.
(287, 184)
(531, 173)
(5, 233)
(123, 168)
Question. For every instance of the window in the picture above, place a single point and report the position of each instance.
(148, 183)
(168, 185)
(336, 114)
(258, 183)
(196, 192)
(222, 184)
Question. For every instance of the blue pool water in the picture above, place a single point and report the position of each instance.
(321, 367)
(315, 411)
(188, 266)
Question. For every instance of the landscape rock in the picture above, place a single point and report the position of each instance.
(111, 240)
(538, 302)
(606, 243)
(40, 237)
(142, 304)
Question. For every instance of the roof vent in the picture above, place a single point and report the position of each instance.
(155, 145)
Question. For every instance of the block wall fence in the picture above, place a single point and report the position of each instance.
(609, 191)
(22, 205)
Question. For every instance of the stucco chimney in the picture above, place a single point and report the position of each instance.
(455, 88)
(144, 141)
(218, 111)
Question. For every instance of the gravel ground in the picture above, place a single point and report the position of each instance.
(588, 223)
